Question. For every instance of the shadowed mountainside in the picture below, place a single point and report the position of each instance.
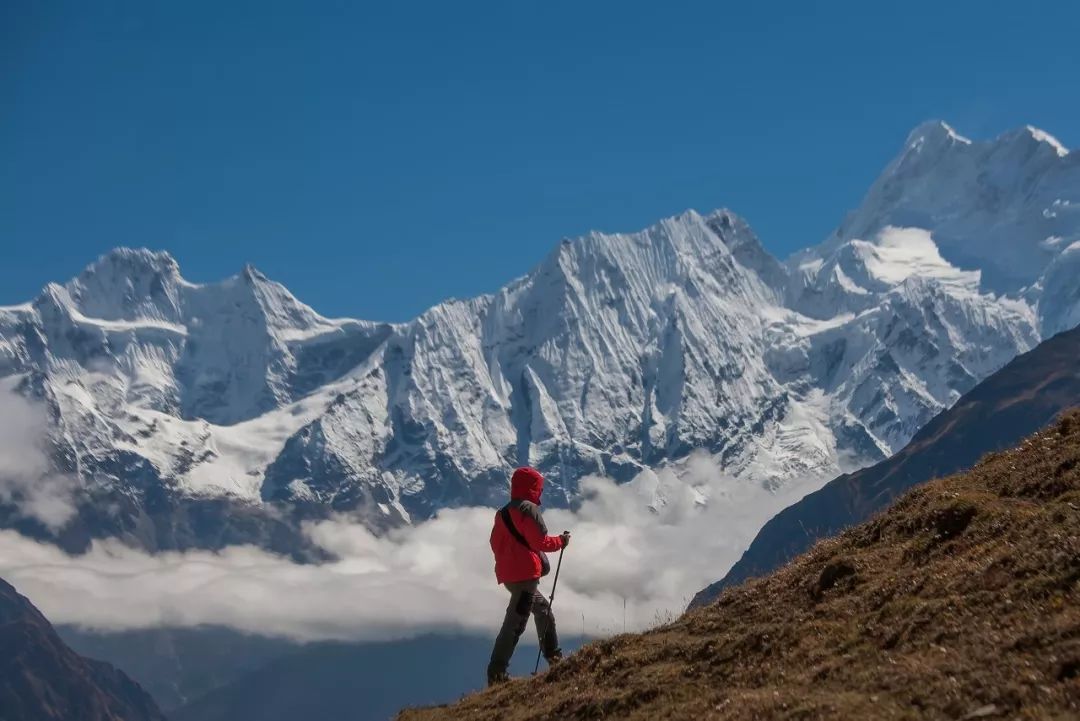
(41, 679)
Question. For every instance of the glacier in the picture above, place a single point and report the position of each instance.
(199, 415)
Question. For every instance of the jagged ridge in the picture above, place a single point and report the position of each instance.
(617, 353)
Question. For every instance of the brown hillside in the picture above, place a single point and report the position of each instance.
(959, 602)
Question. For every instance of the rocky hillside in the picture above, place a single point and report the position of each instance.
(1022, 397)
(210, 414)
(961, 601)
(41, 679)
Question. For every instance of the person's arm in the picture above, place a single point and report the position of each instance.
(535, 530)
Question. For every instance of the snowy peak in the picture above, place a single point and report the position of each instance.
(747, 249)
(224, 352)
(285, 316)
(663, 244)
(1005, 207)
(934, 135)
(129, 285)
(1044, 138)
(137, 285)
(719, 245)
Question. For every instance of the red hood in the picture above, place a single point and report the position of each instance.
(527, 484)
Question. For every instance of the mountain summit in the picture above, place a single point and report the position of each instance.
(185, 407)
(1006, 207)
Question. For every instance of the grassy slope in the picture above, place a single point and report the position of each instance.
(960, 601)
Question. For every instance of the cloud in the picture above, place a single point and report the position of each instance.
(653, 542)
(27, 480)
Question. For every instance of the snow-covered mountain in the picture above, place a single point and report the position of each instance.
(1008, 208)
(617, 353)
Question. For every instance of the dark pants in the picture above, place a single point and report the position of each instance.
(524, 600)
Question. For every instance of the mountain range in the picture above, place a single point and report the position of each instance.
(193, 415)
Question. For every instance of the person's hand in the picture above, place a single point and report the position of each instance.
(565, 536)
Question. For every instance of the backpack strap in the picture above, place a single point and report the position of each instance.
(509, 523)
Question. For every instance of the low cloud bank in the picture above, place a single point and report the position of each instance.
(26, 481)
(653, 542)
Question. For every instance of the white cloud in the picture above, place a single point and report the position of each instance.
(653, 542)
(26, 479)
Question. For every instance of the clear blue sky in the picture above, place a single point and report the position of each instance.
(380, 157)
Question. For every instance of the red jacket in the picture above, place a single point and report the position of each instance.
(514, 562)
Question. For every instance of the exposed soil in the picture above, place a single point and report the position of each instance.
(961, 601)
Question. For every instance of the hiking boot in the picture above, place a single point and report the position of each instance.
(497, 677)
(554, 659)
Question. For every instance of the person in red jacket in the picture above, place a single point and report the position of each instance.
(519, 549)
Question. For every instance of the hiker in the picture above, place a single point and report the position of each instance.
(520, 543)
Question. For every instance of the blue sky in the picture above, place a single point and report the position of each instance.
(378, 158)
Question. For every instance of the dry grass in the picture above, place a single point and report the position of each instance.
(960, 601)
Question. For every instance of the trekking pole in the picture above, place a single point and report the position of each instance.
(551, 602)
